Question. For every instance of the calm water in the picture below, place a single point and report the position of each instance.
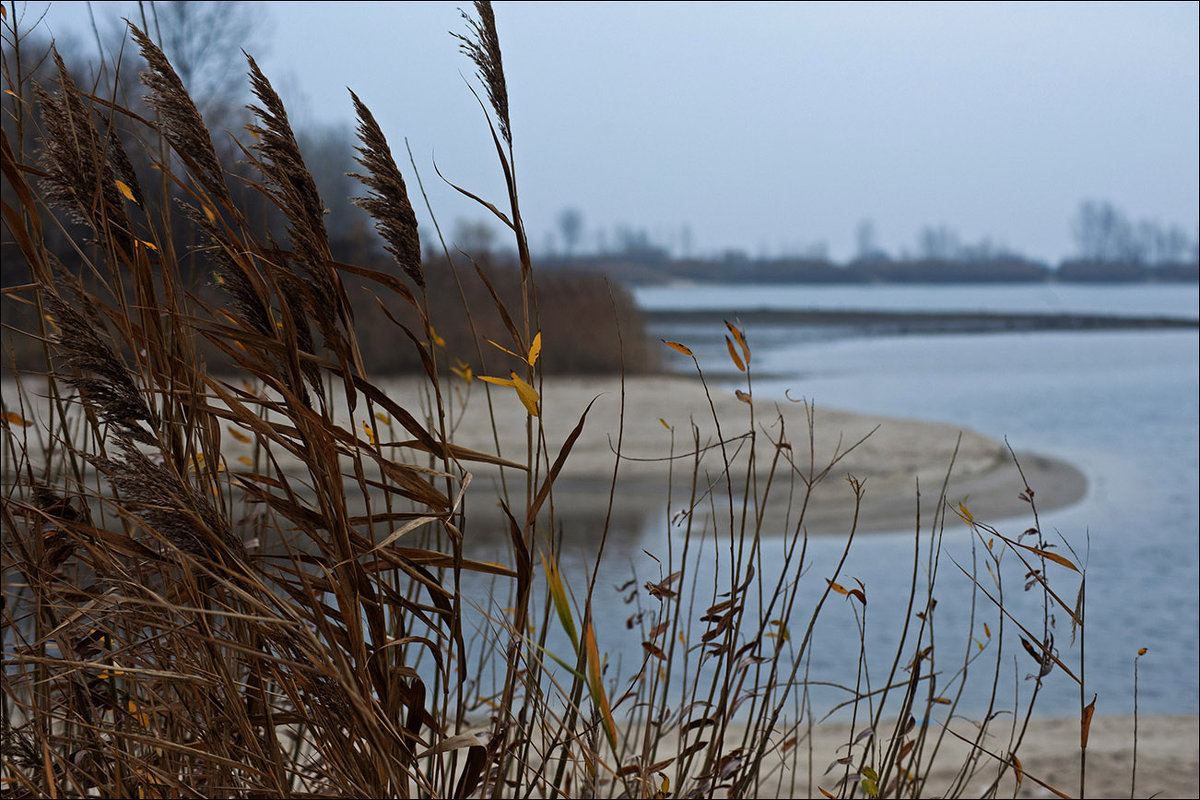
(1173, 300)
(1122, 406)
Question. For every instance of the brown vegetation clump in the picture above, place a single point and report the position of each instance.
(179, 620)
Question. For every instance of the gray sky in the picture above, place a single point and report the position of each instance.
(774, 126)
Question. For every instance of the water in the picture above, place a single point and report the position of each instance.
(1122, 406)
(1143, 299)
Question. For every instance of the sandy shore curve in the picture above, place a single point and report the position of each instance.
(664, 415)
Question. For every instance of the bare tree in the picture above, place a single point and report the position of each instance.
(204, 40)
(570, 225)
(473, 237)
(939, 244)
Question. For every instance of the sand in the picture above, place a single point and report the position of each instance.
(890, 457)
(1167, 762)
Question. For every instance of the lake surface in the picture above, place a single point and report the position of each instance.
(1122, 406)
(1141, 299)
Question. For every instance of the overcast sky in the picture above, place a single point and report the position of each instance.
(772, 127)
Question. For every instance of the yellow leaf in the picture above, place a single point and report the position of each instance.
(535, 349)
(1143, 651)
(245, 461)
(147, 245)
(676, 346)
(143, 718)
(740, 336)
(505, 349)
(987, 631)
(370, 434)
(941, 700)
(241, 437)
(1085, 723)
(1017, 768)
(438, 341)
(16, 419)
(382, 417)
(1055, 557)
(124, 189)
(462, 370)
(558, 593)
(664, 423)
(596, 681)
(837, 587)
(737, 360)
(212, 215)
(965, 514)
(529, 396)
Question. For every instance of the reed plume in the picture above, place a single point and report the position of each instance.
(483, 48)
(181, 122)
(388, 199)
(77, 175)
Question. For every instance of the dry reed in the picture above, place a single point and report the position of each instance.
(179, 621)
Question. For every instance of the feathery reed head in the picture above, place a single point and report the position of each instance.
(294, 190)
(78, 177)
(292, 185)
(167, 505)
(388, 200)
(181, 121)
(101, 379)
(483, 47)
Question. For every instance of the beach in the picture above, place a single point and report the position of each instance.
(657, 424)
(1167, 764)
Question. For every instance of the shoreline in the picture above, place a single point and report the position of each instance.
(890, 457)
(1168, 763)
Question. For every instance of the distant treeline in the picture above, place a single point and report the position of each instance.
(635, 271)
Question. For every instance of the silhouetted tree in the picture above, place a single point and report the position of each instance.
(473, 237)
(570, 225)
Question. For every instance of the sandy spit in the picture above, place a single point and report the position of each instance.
(665, 415)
